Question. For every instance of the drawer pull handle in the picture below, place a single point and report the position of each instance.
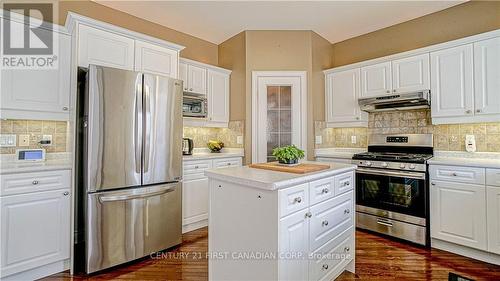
(66, 193)
(347, 249)
(325, 266)
(35, 182)
(454, 174)
(196, 167)
(389, 224)
(346, 183)
(308, 215)
(324, 223)
(229, 164)
(297, 200)
(347, 211)
(325, 190)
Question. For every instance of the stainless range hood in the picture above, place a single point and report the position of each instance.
(406, 101)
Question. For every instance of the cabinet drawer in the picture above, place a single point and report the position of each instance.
(332, 257)
(33, 182)
(330, 218)
(344, 183)
(493, 177)
(457, 174)
(293, 199)
(321, 190)
(196, 167)
(227, 162)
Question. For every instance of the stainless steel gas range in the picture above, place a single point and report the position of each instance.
(392, 191)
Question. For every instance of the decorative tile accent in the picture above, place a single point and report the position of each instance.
(228, 135)
(36, 129)
(446, 137)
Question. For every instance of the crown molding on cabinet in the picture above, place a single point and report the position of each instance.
(204, 65)
(22, 19)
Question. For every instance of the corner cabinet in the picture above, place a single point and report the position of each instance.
(342, 90)
(218, 97)
(38, 93)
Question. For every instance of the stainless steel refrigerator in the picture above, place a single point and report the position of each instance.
(129, 140)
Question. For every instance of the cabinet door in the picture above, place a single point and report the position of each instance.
(293, 239)
(458, 213)
(197, 79)
(218, 97)
(452, 82)
(493, 215)
(194, 200)
(376, 80)
(104, 48)
(154, 59)
(487, 76)
(411, 74)
(42, 91)
(35, 230)
(342, 92)
(183, 75)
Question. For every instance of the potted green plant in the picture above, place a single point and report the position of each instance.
(288, 154)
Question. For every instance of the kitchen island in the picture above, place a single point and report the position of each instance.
(268, 225)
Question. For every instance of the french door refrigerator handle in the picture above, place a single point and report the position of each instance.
(167, 189)
(138, 127)
(147, 130)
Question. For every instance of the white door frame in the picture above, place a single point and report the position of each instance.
(259, 76)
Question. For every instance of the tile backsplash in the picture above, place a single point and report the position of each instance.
(446, 137)
(201, 135)
(36, 129)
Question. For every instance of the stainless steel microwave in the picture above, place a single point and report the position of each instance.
(194, 106)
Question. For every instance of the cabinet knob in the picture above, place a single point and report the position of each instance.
(468, 111)
(297, 200)
(433, 183)
(325, 190)
(35, 182)
(229, 164)
(324, 223)
(347, 249)
(308, 215)
(325, 266)
(190, 89)
(387, 91)
(347, 211)
(357, 118)
(478, 110)
(346, 183)
(66, 193)
(394, 90)
(454, 174)
(65, 108)
(196, 167)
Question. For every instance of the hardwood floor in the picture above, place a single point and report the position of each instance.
(377, 258)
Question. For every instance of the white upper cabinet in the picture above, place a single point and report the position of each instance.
(411, 74)
(487, 76)
(96, 46)
(183, 73)
(196, 79)
(342, 93)
(38, 94)
(218, 96)
(155, 59)
(452, 86)
(376, 80)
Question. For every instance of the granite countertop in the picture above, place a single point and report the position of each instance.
(476, 159)
(273, 180)
(54, 161)
(204, 153)
(344, 153)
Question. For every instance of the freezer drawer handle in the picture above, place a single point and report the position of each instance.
(134, 196)
(386, 223)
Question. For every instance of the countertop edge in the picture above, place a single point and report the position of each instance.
(465, 162)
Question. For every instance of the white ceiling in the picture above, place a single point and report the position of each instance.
(217, 21)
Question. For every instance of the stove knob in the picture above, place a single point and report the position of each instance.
(368, 163)
(412, 166)
(402, 166)
(384, 165)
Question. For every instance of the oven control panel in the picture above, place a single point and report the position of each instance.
(393, 139)
(391, 165)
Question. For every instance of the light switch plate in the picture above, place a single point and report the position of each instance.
(24, 140)
(319, 140)
(239, 139)
(8, 140)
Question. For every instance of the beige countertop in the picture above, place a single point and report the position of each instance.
(54, 161)
(204, 153)
(344, 153)
(466, 159)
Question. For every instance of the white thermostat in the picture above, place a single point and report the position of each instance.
(30, 154)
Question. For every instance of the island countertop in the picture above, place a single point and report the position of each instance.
(273, 180)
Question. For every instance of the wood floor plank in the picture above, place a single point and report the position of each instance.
(377, 259)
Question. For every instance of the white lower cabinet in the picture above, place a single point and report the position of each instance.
(35, 231)
(493, 211)
(294, 238)
(195, 195)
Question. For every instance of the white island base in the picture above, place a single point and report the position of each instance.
(266, 225)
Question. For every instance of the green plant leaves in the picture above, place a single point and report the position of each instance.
(288, 153)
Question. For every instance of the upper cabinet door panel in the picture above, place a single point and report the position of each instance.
(218, 96)
(376, 80)
(411, 74)
(154, 59)
(487, 76)
(197, 79)
(183, 73)
(104, 48)
(342, 96)
(452, 82)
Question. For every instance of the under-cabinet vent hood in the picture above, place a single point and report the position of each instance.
(406, 101)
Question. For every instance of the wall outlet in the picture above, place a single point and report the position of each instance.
(8, 140)
(46, 140)
(24, 140)
(239, 139)
(319, 139)
(354, 139)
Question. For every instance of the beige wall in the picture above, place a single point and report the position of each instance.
(196, 49)
(453, 23)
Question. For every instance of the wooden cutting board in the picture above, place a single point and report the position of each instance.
(302, 168)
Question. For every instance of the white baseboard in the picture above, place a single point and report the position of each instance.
(39, 272)
(194, 226)
(465, 251)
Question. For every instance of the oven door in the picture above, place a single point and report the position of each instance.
(395, 191)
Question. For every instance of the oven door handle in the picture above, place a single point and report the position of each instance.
(418, 176)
